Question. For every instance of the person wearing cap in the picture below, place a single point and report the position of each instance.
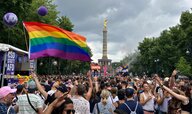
(53, 88)
(130, 105)
(60, 91)
(6, 97)
(65, 104)
(34, 104)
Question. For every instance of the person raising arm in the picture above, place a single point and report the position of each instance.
(186, 101)
(39, 87)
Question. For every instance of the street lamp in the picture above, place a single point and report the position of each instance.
(41, 63)
(187, 52)
(156, 61)
(54, 63)
(53, 68)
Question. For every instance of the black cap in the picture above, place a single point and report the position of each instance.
(62, 88)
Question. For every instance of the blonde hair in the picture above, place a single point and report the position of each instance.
(105, 93)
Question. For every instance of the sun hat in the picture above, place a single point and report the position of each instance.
(4, 91)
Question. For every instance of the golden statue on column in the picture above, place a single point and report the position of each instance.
(105, 23)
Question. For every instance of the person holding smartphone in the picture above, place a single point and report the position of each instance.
(184, 98)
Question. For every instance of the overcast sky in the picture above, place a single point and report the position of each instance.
(129, 21)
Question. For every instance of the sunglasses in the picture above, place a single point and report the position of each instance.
(70, 111)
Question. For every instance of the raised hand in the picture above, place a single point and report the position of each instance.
(57, 102)
(89, 74)
(158, 80)
(174, 73)
(34, 76)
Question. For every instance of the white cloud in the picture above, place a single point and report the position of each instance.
(108, 13)
(129, 21)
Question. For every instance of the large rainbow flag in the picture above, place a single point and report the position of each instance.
(46, 40)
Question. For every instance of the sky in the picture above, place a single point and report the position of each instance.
(129, 22)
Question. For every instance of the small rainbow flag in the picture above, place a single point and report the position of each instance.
(46, 40)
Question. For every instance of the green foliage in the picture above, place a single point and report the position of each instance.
(184, 67)
(65, 23)
(13, 35)
(50, 18)
(169, 48)
(26, 10)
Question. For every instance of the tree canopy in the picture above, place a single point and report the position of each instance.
(26, 10)
(169, 49)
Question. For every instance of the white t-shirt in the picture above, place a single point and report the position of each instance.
(25, 107)
(164, 105)
(115, 99)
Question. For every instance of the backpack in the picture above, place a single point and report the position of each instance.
(132, 112)
(98, 108)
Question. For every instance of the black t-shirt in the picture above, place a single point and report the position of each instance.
(132, 105)
(187, 107)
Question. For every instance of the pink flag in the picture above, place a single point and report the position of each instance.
(105, 70)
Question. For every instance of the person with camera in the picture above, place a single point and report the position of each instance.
(61, 90)
(63, 104)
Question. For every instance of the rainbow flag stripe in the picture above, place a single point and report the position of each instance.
(47, 40)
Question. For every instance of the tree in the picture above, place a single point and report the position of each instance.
(26, 10)
(65, 23)
(184, 67)
(13, 35)
(186, 26)
(168, 48)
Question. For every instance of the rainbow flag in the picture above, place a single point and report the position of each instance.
(46, 40)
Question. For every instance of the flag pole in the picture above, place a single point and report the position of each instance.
(25, 37)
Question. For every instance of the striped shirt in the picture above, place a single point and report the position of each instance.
(25, 107)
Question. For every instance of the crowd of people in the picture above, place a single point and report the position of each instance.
(98, 95)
